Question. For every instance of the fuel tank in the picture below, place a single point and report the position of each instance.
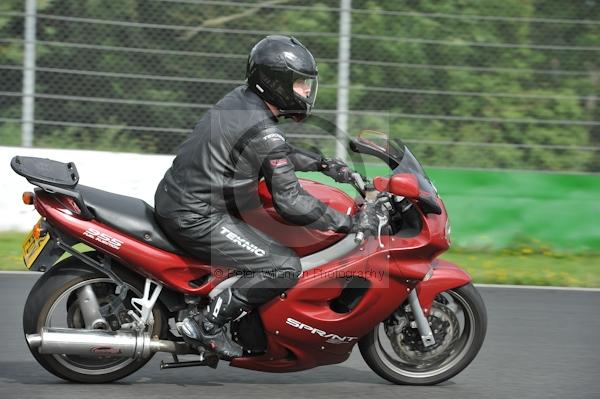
(302, 240)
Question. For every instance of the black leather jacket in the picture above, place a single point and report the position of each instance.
(233, 146)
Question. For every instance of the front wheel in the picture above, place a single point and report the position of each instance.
(53, 302)
(394, 350)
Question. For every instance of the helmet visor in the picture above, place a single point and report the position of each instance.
(306, 89)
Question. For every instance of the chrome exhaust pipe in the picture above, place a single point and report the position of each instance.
(71, 341)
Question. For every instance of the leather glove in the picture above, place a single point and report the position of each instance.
(337, 170)
(366, 220)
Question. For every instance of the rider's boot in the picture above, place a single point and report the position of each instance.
(207, 329)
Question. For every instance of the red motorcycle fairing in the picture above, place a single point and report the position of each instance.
(303, 330)
(304, 241)
(301, 343)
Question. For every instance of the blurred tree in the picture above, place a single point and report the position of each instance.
(161, 64)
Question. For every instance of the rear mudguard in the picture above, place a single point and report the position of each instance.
(446, 275)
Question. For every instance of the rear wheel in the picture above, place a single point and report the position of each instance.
(394, 350)
(53, 302)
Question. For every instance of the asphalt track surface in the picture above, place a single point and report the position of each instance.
(540, 344)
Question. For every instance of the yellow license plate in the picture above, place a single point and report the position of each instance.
(32, 247)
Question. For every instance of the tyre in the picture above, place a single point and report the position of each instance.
(394, 350)
(53, 302)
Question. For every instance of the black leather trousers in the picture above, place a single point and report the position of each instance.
(266, 267)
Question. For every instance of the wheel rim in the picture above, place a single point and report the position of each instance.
(84, 364)
(454, 346)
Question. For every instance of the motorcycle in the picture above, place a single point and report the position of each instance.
(101, 313)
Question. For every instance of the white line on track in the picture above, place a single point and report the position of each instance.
(526, 287)
(19, 272)
(538, 287)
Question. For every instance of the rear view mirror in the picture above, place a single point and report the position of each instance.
(402, 184)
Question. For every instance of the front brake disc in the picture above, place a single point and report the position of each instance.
(408, 346)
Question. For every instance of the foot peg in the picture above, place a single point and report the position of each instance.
(203, 334)
(211, 360)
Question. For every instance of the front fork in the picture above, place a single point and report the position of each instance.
(445, 276)
(421, 320)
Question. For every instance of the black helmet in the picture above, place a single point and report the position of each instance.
(275, 64)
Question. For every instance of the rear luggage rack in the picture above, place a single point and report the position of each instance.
(46, 171)
(53, 177)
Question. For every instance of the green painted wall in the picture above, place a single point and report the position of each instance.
(499, 209)
(503, 209)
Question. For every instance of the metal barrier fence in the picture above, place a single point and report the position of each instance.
(485, 84)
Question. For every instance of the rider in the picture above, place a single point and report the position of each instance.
(215, 175)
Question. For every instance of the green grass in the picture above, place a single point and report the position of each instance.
(10, 251)
(569, 270)
(525, 265)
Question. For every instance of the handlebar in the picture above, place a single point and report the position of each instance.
(372, 196)
(383, 220)
(359, 183)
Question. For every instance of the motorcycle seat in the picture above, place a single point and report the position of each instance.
(129, 215)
